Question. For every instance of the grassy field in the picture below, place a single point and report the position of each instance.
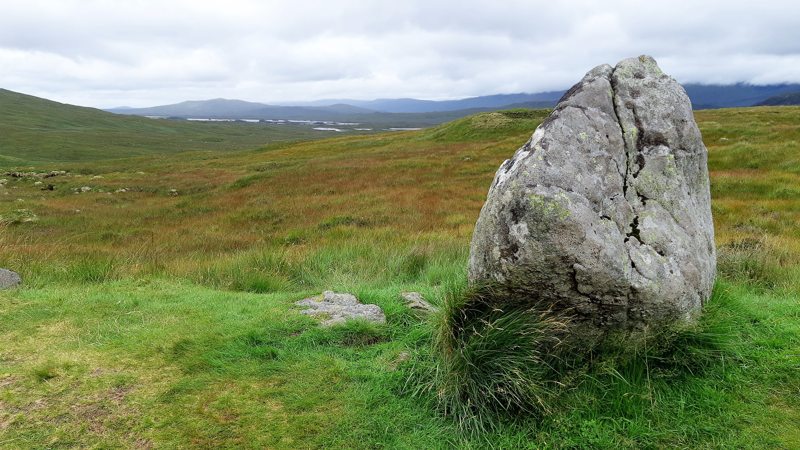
(162, 316)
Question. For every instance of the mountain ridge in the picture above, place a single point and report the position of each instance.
(703, 96)
(786, 99)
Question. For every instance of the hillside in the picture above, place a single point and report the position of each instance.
(791, 98)
(155, 318)
(389, 112)
(711, 96)
(238, 109)
(412, 105)
(35, 130)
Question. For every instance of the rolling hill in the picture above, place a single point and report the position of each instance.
(34, 129)
(790, 98)
(712, 96)
(412, 105)
(221, 108)
(400, 112)
(346, 109)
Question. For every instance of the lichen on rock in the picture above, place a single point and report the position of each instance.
(336, 308)
(9, 279)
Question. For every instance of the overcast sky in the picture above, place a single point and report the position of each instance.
(142, 53)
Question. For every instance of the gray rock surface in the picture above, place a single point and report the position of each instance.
(336, 308)
(9, 279)
(606, 211)
(417, 302)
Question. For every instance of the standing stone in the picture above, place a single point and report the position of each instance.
(606, 212)
(9, 279)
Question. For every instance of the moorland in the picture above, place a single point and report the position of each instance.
(157, 307)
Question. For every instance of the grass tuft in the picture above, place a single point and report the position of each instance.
(353, 333)
(45, 372)
(495, 356)
(752, 260)
(499, 358)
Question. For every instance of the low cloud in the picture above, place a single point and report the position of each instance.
(140, 53)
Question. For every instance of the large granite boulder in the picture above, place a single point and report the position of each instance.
(605, 212)
(9, 279)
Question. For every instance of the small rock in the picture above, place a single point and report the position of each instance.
(38, 183)
(415, 301)
(398, 360)
(9, 279)
(337, 308)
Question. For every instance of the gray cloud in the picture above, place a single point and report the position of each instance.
(137, 53)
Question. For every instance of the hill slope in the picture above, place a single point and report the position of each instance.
(791, 98)
(711, 96)
(380, 111)
(498, 101)
(238, 109)
(34, 129)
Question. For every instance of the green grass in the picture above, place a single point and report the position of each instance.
(495, 357)
(154, 320)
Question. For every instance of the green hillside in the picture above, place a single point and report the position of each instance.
(34, 130)
(158, 306)
(790, 98)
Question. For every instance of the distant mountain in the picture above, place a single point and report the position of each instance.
(335, 109)
(345, 110)
(709, 96)
(217, 106)
(791, 98)
(221, 108)
(412, 105)
(703, 96)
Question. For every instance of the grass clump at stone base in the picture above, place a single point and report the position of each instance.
(499, 357)
(494, 356)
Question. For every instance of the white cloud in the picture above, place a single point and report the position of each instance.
(137, 53)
